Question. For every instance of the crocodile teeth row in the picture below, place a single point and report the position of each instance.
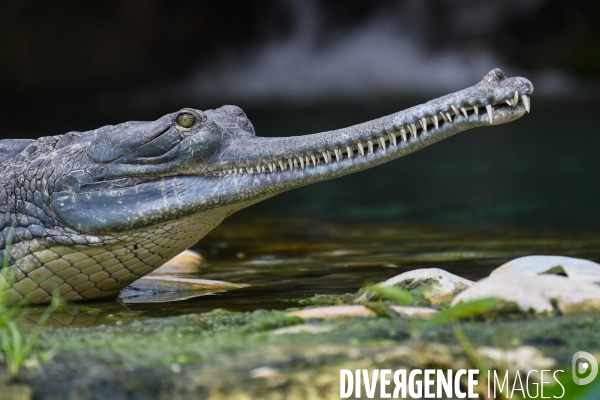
(386, 138)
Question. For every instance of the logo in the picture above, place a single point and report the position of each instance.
(584, 364)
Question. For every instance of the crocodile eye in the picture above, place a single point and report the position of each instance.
(186, 120)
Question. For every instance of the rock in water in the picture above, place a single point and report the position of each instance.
(574, 268)
(436, 285)
(186, 262)
(545, 294)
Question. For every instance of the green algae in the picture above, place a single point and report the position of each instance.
(216, 351)
(154, 341)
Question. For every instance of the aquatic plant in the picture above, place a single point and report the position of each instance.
(16, 345)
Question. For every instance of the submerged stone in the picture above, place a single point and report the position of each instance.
(574, 268)
(545, 294)
(434, 284)
(186, 262)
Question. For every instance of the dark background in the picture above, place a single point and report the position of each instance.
(305, 66)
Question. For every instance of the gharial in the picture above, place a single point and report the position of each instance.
(90, 212)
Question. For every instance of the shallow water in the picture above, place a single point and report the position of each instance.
(466, 204)
(289, 259)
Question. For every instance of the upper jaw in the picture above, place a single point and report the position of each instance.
(494, 100)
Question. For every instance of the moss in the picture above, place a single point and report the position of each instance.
(327, 299)
(270, 320)
(216, 351)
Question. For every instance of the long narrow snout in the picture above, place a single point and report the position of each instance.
(278, 164)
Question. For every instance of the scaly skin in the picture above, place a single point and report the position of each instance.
(94, 211)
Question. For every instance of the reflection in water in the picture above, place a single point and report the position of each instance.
(287, 259)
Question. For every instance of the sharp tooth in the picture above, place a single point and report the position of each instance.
(262, 168)
(382, 141)
(291, 164)
(314, 160)
(370, 144)
(449, 117)
(307, 159)
(393, 138)
(526, 102)
(281, 165)
(258, 169)
(508, 102)
(328, 156)
(250, 170)
(516, 98)
(301, 159)
(361, 149)
(476, 109)
(337, 154)
(296, 163)
(464, 111)
(444, 116)
(325, 157)
(490, 112)
(350, 153)
(456, 112)
(403, 134)
(414, 130)
(423, 122)
(270, 165)
(436, 122)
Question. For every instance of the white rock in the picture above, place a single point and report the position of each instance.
(303, 328)
(332, 312)
(443, 285)
(574, 268)
(536, 293)
(264, 372)
(186, 262)
(421, 312)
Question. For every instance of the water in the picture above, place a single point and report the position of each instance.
(286, 259)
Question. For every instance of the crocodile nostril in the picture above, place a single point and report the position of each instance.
(530, 87)
(494, 76)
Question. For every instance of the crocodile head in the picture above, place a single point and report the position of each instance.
(96, 210)
(139, 174)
